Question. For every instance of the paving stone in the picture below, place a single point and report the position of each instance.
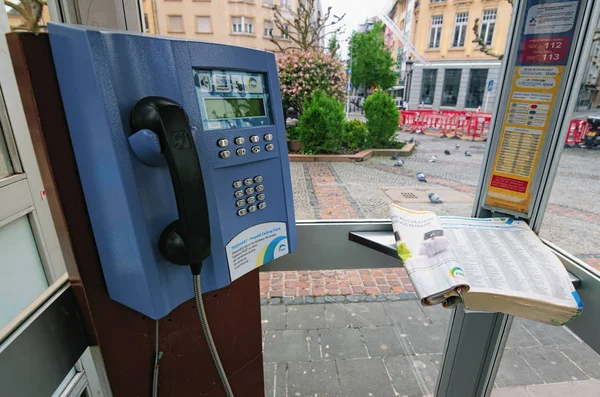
(298, 300)
(514, 371)
(511, 392)
(588, 388)
(285, 346)
(340, 298)
(263, 301)
(314, 345)
(309, 299)
(392, 297)
(413, 375)
(306, 317)
(275, 301)
(274, 379)
(342, 343)
(549, 335)
(585, 358)
(356, 315)
(551, 365)
(519, 337)
(385, 341)
(437, 314)
(399, 312)
(329, 299)
(364, 378)
(320, 299)
(272, 317)
(288, 300)
(313, 379)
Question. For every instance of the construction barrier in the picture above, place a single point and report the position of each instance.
(460, 124)
(469, 125)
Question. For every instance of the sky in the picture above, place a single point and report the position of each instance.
(356, 12)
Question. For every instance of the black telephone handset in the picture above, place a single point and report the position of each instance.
(186, 241)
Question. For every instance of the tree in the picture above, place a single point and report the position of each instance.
(333, 46)
(30, 11)
(301, 73)
(304, 29)
(371, 61)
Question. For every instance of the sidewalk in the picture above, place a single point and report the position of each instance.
(395, 349)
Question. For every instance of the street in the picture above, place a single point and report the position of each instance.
(365, 190)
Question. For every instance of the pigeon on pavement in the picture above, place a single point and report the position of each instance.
(446, 151)
(468, 154)
(395, 156)
(417, 143)
(434, 198)
(411, 140)
(399, 163)
(421, 177)
(457, 146)
(433, 159)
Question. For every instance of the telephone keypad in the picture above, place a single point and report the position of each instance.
(246, 200)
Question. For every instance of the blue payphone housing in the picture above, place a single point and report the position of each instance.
(233, 105)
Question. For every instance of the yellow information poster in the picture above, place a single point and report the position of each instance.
(544, 47)
(533, 92)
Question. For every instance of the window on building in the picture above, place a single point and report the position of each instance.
(285, 33)
(268, 29)
(428, 86)
(487, 26)
(477, 85)
(460, 29)
(203, 25)
(285, 3)
(268, 3)
(242, 25)
(435, 33)
(175, 24)
(146, 23)
(451, 86)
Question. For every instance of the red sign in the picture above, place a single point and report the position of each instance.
(511, 184)
(545, 50)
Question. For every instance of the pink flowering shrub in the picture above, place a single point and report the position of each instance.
(303, 72)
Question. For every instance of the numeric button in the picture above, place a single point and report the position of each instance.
(259, 188)
(240, 203)
(242, 212)
(262, 206)
(260, 197)
(252, 209)
(250, 200)
(268, 137)
(269, 147)
(237, 184)
(249, 190)
(239, 140)
(255, 149)
(224, 154)
(222, 143)
(248, 181)
(241, 151)
(254, 139)
(239, 194)
(258, 179)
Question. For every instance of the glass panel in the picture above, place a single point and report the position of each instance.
(6, 168)
(22, 276)
(477, 86)
(428, 86)
(63, 385)
(451, 85)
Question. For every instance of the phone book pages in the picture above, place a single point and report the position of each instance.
(494, 265)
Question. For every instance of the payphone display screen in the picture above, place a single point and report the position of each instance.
(232, 99)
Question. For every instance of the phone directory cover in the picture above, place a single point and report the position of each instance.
(496, 265)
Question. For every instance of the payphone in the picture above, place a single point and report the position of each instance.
(182, 156)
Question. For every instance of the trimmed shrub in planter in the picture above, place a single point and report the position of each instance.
(355, 135)
(382, 119)
(321, 124)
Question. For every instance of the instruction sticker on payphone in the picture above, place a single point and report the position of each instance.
(182, 155)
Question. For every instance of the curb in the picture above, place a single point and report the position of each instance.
(407, 150)
(302, 300)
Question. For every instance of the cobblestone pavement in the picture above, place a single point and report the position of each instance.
(345, 190)
(395, 349)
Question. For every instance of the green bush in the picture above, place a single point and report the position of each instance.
(382, 119)
(291, 131)
(355, 134)
(321, 124)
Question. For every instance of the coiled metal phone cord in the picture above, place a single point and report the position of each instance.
(208, 336)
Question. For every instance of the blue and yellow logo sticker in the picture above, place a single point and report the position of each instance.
(457, 272)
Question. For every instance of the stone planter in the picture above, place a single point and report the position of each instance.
(295, 145)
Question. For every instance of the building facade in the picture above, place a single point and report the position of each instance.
(246, 23)
(459, 75)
